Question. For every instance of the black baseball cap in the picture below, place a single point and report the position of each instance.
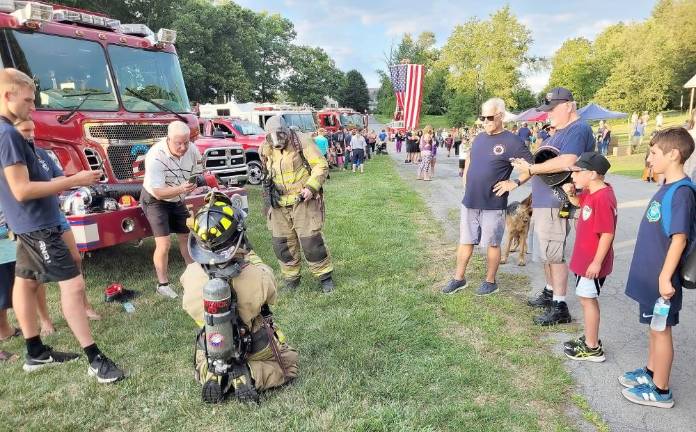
(593, 161)
(555, 97)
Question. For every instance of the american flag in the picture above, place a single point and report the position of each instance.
(407, 81)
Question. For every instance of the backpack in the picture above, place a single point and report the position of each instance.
(688, 271)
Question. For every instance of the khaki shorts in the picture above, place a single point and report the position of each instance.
(551, 232)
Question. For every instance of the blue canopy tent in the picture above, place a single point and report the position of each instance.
(593, 112)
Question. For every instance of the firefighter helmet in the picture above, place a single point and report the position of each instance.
(218, 231)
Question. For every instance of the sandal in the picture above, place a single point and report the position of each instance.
(17, 333)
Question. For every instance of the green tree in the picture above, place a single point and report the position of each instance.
(312, 74)
(386, 100)
(354, 93)
(272, 50)
(435, 91)
(574, 67)
(463, 108)
(484, 57)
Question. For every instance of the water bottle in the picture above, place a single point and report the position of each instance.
(660, 312)
(128, 306)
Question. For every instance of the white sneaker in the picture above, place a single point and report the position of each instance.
(167, 291)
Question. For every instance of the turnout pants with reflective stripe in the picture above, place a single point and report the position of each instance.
(299, 226)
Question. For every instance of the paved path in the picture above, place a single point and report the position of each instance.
(625, 340)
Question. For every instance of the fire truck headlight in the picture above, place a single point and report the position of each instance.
(166, 36)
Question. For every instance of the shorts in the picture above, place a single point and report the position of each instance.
(551, 232)
(358, 156)
(588, 288)
(7, 276)
(44, 257)
(484, 227)
(166, 217)
(64, 224)
(462, 163)
(646, 313)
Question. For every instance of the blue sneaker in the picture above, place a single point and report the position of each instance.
(635, 378)
(646, 394)
(487, 288)
(454, 285)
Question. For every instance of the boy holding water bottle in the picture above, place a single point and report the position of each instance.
(654, 276)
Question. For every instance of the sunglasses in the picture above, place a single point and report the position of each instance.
(488, 118)
(548, 101)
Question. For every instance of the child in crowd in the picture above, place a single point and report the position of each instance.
(331, 156)
(656, 265)
(593, 255)
(339, 157)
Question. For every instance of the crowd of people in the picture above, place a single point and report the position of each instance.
(350, 148)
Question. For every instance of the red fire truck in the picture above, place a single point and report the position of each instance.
(106, 92)
(332, 119)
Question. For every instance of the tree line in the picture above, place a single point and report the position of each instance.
(231, 51)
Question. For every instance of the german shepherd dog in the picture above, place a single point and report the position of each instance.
(517, 226)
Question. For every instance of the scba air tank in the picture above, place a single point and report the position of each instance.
(218, 315)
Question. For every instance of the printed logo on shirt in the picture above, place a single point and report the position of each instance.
(654, 212)
(498, 149)
(586, 212)
(43, 164)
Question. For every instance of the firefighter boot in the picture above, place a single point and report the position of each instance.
(212, 390)
(243, 384)
(327, 284)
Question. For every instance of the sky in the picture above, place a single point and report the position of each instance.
(358, 34)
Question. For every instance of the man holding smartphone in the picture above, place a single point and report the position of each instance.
(170, 165)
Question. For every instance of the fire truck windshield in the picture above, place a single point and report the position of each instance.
(352, 120)
(153, 74)
(304, 122)
(65, 69)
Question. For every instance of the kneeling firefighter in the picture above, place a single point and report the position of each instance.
(295, 171)
(227, 291)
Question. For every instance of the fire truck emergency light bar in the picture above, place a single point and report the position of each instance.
(26, 11)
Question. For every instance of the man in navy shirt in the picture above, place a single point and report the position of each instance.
(572, 138)
(487, 183)
(29, 202)
(524, 133)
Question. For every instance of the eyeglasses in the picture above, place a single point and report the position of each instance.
(488, 118)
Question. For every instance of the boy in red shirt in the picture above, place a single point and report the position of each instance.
(593, 255)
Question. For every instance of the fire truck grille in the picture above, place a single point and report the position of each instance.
(127, 162)
(121, 133)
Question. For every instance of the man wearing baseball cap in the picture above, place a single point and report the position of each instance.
(572, 138)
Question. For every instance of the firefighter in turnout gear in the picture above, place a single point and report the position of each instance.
(295, 172)
(227, 291)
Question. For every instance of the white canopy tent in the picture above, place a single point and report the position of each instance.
(691, 84)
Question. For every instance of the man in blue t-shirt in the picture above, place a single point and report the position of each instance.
(487, 183)
(28, 200)
(524, 133)
(572, 138)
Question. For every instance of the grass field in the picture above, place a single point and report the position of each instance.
(385, 352)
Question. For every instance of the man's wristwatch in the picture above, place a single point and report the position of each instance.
(517, 182)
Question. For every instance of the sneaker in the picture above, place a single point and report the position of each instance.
(47, 358)
(646, 394)
(577, 341)
(582, 352)
(291, 284)
(544, 299)
(557, 313)
(487, 288)
(327, 285)
(636, 378)
(167, 291)
(454, 285)
(105, 370)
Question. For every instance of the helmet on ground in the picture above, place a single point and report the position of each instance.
(543, 154)
(218, 230)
